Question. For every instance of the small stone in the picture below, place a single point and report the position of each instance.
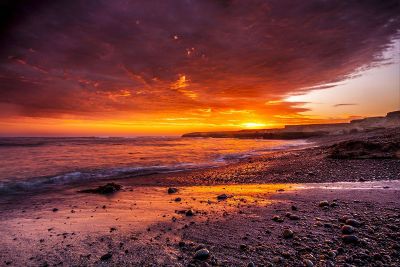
(178, 199)
(222, 197)
(277, 218)
(243, 247)
(349, 239)
(189, 213)
(251, 264)
(202, 254)
(294, 217)
(172, 190)
(106, 257)
(323, 203)
(55, 209)
(294, 208)
(353, 222)
(287, 233)
(347, 229)
(308, 263)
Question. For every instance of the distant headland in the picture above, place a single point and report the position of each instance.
(391, 120)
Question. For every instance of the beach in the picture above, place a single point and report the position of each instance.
(317, 205)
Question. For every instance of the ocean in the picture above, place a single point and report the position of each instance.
(37, 163)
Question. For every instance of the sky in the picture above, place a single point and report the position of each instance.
(144, 67)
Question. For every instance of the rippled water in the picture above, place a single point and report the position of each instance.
(35, 162)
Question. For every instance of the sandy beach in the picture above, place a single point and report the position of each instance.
(286, 208)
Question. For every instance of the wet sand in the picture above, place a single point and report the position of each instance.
(147, 226)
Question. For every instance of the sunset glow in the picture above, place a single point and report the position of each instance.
(126, 68)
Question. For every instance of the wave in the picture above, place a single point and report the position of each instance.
(44, 182)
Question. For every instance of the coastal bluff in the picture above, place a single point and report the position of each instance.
(391, 120)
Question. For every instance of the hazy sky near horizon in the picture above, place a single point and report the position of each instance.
(168, 67)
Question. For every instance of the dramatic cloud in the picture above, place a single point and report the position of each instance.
(182, 59)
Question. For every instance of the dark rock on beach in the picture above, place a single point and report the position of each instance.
(202, 254)
(172, 190)
(104, 189)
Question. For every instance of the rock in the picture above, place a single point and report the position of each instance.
(178, 199)
(348, 239)
(308, 263)
(347, 229)
(323, 203)
(287, 233)
(106, 257)
(189, 213)
(294, 208)
(55, 209)
(294, 217)
(222, 197)
(172, 190)
(202, 254)
(353, 222)
(251, 264)
(104, 189)
(243, 247)
(277, 218)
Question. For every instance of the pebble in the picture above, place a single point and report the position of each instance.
(353, 222)
(222, 197)
(294, 217)
(178, 199)
(323, 203)
(172, 190)
(202, 254)
(347, 229)
(189, 213)
(277, 218)
(287, 233)
(350, 239)
(106, 257)
(308, 263)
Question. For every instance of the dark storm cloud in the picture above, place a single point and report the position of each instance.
(89, 57)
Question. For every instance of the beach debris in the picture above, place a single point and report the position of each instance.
(106, 256)
(323, 203)
(172, 190)
(108, 188)
(287, 233)
(349, 239)
(347, 229)
(202, 254)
